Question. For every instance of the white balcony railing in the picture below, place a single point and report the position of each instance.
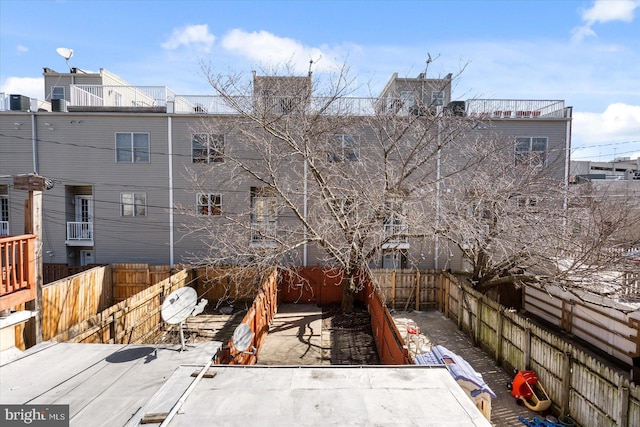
(395, 236)
(4, 228)
(79, 231)
(119, 96)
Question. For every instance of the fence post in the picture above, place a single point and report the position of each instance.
(418, 290)
(527, 348)
(461, 306)
(623, 395)
(478, 321)
(499, 338)
(566, 383)
(393, 289)
(114, 327)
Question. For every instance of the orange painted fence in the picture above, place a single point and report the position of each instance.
(258, 318)
(17, 270)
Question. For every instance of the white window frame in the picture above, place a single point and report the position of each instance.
(132, 149)
(437, 98)
(214, 146)
(522, 155)
(345, 148)
(137, 207)
(209, 204)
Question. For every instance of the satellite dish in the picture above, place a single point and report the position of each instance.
(242, 337)
(179, 305)
(65, 53)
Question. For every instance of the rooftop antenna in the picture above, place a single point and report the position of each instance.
(429, 61)
(179, 305)
(66, 54)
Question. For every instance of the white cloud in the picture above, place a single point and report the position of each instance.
(21, 49)
(607, 10)
(32, 87)
(195, 37)
(616, 130)
(604, 11)
(271, 50)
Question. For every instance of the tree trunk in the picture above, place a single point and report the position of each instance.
(348, 293)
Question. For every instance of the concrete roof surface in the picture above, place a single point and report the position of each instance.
(327, 396)
(104, 384)
(117, 385)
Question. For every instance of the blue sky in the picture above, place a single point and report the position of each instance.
(584, 52)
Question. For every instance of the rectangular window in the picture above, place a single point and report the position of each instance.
(207, 148)
(437, 98)
(345, 148)
(531, 150)
(133, 204)
(4, 215)
(264, 214)
(57, 92)
(132, 147)
(209, 204)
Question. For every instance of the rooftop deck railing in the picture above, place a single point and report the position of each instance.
(17, 278)
(163, 97)
(119, 96)
(514, 108)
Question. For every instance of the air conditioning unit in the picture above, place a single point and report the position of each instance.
(59, 105)
(19, 103)
(456, 108)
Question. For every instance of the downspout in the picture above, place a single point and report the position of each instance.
(567, 163)
(170, 157)
(34, 144)
(304, 213)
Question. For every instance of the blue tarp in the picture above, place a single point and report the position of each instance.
(459, 368)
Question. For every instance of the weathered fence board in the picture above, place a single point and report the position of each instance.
(576, 382)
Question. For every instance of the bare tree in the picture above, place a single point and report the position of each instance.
(343, 178)
(516, 221)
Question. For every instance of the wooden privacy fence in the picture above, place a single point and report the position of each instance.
(258, 318)
(389, 342)
(577, 383)
(129, 279)
(611, 329)
(415, 290)
(227, 283)
(134, 320)
(70, 301)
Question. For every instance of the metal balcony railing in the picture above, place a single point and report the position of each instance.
(17, 270)
(515, 108)
(119, 96)
(4, 228)
(80, 231)
(395, 236)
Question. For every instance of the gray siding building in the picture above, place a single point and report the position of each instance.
(123, 160)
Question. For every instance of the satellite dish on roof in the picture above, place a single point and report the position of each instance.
(242, 337)
(66, 53)
(179, 305)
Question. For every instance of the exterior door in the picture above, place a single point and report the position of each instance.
(84, 216)
(86, 258)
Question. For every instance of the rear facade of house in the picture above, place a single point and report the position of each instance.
(122, 160)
